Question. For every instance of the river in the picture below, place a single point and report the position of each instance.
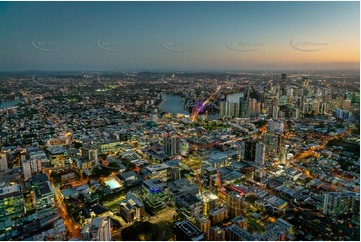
(10, 103)
(175, 104)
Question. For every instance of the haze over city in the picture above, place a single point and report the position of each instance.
(186, 36)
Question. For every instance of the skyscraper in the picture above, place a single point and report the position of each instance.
(171, 144)
(260, 153)
(224, 109)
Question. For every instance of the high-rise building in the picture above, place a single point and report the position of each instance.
(260, 153)
(234, 204)
(218, 214)
(31, 167)
(241, 222)
(90, 153)
(275, 110)
(339, 203)
(171, 144)
(3, 161)
(44, 195)
(98, 230)
(204, 225)
(249, 149)
(131, 208)
(273, 145)
(224, 109)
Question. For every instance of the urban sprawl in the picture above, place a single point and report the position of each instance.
(249, 156)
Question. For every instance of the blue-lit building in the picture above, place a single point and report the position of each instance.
(155, 195)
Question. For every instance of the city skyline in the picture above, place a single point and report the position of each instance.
(180, 36)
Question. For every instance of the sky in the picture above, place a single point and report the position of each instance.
(180, 36)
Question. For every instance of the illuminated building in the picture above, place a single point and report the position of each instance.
(217, 215)
(131, 208)
(3, 161)
(339, 203)
(189, 206)
(273, 145)
(155, 195)
(58, 156)
(236, 233)
(224, 109)
(31, 167)
(109, 147)
(185, 230)
(44, 195)
(305, 82)
(98, 230)
(12, 204)
(241, 222)
(184, 147)
(171, 144)
(158, 171)
(217, 234)
(90, 153)
(234, 203)
(204, 224)
(260, 153)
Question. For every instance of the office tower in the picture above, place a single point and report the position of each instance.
(217, 234)
(339, 203)
(98, 230)
(234, 204)
(260, 153)
(224, 109)
(204, 225)
(3, 161)
(170, 144)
